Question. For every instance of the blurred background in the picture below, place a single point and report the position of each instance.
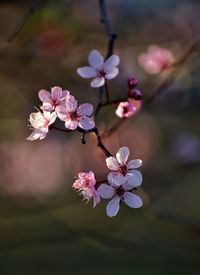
(45, 228)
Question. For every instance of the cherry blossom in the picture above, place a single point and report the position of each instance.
(118, 194)
(124, 171)
(86, 185)
(40, 123)
(98, 69)
(75, 116)
(52, 100)
(125, 109)
(156, 59)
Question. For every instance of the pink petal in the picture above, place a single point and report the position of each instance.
(112, 163)
(87, 72)
(52, 118)
(71, 103)
(96, 198)
(62, 113)
(97, 82)
(106, 191)
(135, 163)
(112, 207)
(45, 96)
(132, 200)
(77, 184)
(85, 109)
(122, 155)
(110, 74)
(86, 123)
(70, 124)
(47, 107)
(95, 59)
(134, 178)
(56, 93)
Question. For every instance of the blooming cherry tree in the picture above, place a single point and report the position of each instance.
(98, 69)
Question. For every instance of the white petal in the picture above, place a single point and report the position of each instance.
(110, 74)
(134, 178)
(116, 179)
(122, 155)
(106, 191)
(70, 124)
(85, 109)
(86, 72)
(111, 62)
(112, 163)
(37, 134)
(132, 200)
(86, 123)
(135, 163)
(112, 207)
(95, 59)
(97, 82)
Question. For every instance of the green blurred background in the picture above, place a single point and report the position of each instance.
(45, 228)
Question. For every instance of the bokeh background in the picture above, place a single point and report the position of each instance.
(45, 228)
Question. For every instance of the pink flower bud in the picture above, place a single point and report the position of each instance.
(135, 94)
(132, 82)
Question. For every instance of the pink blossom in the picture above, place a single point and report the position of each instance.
(118, 194)
(86, 185)
(75, 116)
(52, 100)
(156, 59)
(124, 171)
(98, 69)
(40, 123)
(125, 109)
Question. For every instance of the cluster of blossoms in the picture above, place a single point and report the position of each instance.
(59, 103)
(120, 183)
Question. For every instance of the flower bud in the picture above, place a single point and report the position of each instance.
(135, 94)
(132, 82)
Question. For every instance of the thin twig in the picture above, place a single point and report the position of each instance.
(106, 21)
(34, 7)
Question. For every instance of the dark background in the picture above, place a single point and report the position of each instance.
(45, 228)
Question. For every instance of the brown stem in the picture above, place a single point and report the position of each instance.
(107, 92)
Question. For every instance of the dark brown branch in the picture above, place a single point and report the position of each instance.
(83, 133)
(34, 7)
(106, 21)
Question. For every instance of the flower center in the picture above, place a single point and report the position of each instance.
(73, 115)
(119, 191)
(125, 110)
(101, 73)
(122, 170)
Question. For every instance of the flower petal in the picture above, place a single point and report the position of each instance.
(110, 74)
(71, 103)
(95, 59)
(111, 62)
(37, 134)
(45, 96)
(97, 82)
(86, 123)
(135, 163)
(85, 109)
(106, 191)
(70, 124)
(47, 107)
(134, 178)
(122, 155)
(87, 72)
(112, 163)
(132, 200)
(116, 179)
(112, 207)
